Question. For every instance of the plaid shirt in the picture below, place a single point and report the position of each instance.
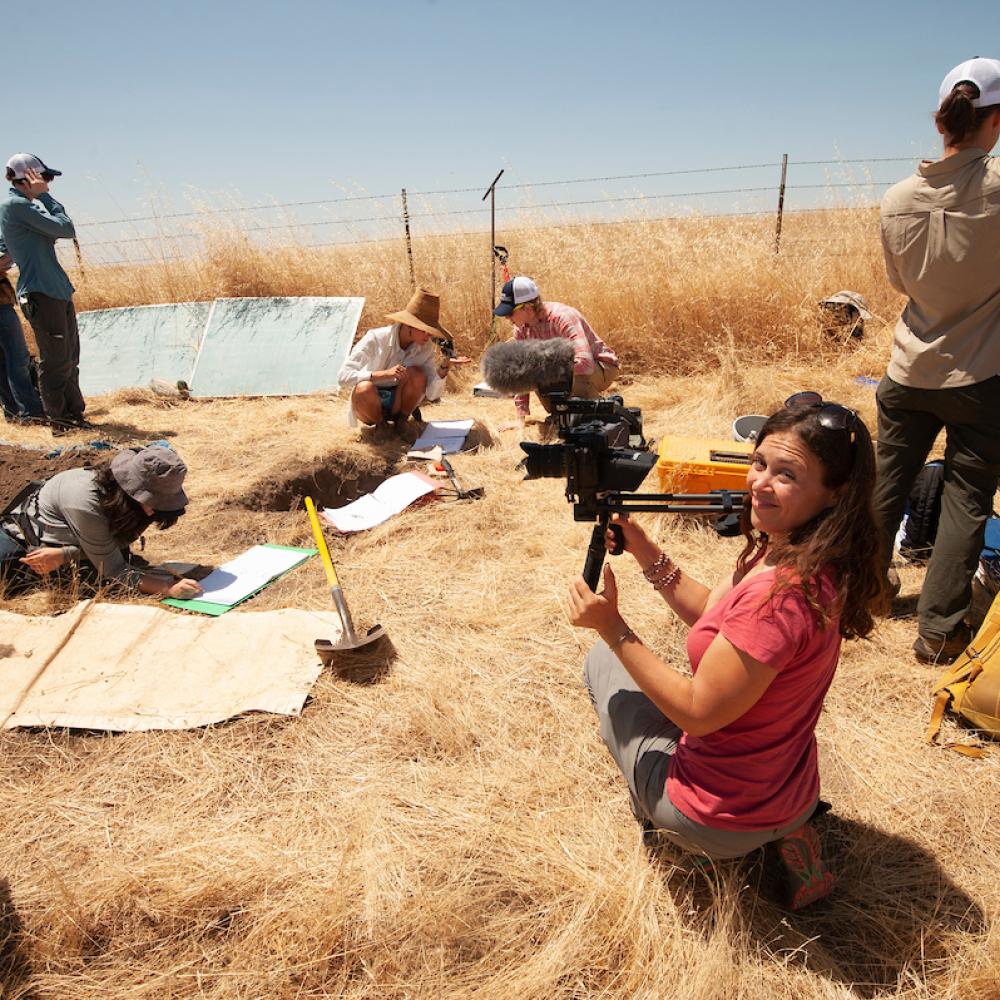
(557, 320)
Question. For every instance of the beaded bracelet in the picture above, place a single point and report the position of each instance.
(653, 571)
(667, 580)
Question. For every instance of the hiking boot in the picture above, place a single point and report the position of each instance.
(809, 880)
(943, 650)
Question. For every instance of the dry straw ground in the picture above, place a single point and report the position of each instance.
(453, 827)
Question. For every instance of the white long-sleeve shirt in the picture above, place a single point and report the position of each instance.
(379, 350)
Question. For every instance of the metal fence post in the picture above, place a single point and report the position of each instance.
(491, 193)
(409, 245)
(781, 202)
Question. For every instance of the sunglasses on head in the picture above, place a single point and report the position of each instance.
(832, 416)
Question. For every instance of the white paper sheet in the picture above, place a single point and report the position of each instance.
(449, 435)
(391, 497)
(485, 389)
(240, 577)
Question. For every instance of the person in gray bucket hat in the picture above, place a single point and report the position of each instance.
(87, 518)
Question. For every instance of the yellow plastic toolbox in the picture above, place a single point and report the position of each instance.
(699, 465)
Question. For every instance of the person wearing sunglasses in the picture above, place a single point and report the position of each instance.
(595, 365)
(940, 234)
(723, 761)
(31, 221)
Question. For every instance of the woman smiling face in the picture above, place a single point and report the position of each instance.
(786, 482)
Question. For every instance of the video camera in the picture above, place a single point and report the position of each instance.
(604, 455)
(604, 451)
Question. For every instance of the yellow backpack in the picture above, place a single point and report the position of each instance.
(971, 685)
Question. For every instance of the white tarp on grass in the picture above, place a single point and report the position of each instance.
(229, 347)
(126, 347)
(132, 667)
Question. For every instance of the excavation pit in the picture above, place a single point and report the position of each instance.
(332, 481)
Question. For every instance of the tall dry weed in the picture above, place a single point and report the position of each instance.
(665, 293)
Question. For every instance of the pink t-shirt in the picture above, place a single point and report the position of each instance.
(760, 771)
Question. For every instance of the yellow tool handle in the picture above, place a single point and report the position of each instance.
(324, 552)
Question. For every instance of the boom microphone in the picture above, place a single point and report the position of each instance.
(517, 366)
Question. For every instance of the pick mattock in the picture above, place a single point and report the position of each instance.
(349, 639)
(476, 493)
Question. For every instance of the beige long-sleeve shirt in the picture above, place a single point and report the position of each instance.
(941, 238)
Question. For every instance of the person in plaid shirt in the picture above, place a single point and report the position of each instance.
(595, 365)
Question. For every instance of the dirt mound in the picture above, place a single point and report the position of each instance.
(18, 466)
(332, 481)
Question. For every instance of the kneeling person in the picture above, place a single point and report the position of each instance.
(391, 370)
(595, 365)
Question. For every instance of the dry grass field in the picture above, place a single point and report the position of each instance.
(443, 820)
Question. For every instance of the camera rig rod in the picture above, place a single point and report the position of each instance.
(723, 502)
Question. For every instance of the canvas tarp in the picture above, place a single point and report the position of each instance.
(129, 667)
(280, 346)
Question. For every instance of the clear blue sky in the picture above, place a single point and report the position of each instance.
(255, 101)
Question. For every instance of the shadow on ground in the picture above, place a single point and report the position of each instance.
(15, 967)
(894, 917)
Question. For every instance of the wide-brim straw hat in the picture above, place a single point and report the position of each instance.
(422, 311)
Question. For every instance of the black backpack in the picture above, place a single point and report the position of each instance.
(923, 511)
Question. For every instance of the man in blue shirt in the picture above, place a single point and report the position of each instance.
(31, 221)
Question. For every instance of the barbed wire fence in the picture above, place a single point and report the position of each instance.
(358, 219)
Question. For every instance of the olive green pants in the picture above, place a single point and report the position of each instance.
(909, 421)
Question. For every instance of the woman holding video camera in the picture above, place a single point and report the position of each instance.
(724, 761)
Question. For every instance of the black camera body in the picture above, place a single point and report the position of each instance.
(604, 458)
(603, 451)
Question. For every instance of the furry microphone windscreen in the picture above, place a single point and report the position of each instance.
(523, 365)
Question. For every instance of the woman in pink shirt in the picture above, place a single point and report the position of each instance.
(724, 761)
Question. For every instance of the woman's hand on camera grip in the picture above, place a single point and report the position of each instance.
(596, 611)
(635, 540)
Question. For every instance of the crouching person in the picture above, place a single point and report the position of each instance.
(88, 518)
(724, 761)
(392, 369)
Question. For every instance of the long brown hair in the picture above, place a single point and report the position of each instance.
(843, 538)
(957, 118)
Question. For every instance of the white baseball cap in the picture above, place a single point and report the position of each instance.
(514, 293)
(984, 73)
(20, 163)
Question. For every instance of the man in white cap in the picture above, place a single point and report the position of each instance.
(31, 221)
(595, 365)
(391, 370)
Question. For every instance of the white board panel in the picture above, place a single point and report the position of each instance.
(275, 346)
(128, 347)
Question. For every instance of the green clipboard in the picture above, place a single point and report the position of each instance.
(211, 608)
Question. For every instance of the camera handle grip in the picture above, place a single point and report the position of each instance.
(598, 547)
(618, 547)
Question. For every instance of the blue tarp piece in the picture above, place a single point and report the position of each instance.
(229, 347)
(127, 347)
(275, 347)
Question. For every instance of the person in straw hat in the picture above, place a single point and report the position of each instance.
(392, 369)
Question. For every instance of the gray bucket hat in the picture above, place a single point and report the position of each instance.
(153, 476)
(846, 298)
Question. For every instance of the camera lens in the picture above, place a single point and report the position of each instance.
(544, 461)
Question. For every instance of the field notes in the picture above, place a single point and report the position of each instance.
(391, 497)
(240, 577)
